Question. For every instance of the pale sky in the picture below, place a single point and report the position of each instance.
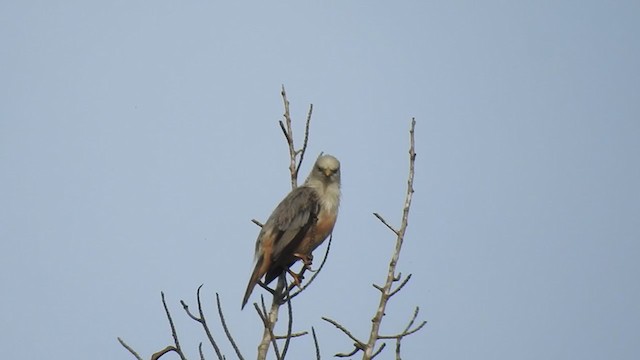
(138, 140)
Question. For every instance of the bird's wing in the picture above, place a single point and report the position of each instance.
(292, 219)
(281, 234)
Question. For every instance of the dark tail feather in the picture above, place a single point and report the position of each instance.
(272, 274)
(255, 276)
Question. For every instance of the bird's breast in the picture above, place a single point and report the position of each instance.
(318, 232)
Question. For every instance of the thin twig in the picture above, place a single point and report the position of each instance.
(133, 352)
(268, 326)
(262, 285)
(267, 335)
(414, 330)
(264, 307)
(283, 127)
(159, 354)
(406, 280)
(257, 222)
(379, 350)
(356, 348)
(186, 309)
(203, 321)
(288, 134)
(315, 343)
(177, 348)
(385, 222)
(226, 329)
(289, 328)
(302, 151)
(343, 329)
(413, 319)
(405, 332)
(200, 351)
(293, 335)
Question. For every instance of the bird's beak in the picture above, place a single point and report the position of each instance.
(327, 172)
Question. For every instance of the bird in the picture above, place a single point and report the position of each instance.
(298, 225)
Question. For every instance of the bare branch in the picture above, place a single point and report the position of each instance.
(391, 278)
(356, 348)
(285, 131)
(385, 290)
(289, 327)
(262, 285)
(293, 335)
(133, 352)
(379, 350)
(306, 140)
(405, 333)
(385, 223)
(268, 326)
(415, 329)
(282, 293)
(257, 222)
(413, 318)
(203, 321)
(400, 286)
(186, 309)
(288, 134)
(315, 343)
(177, 348)
(169, 348)
(200, 351)
(226, 329)
(272, 317)
(264, 307)
(344, 330)
(407, 330)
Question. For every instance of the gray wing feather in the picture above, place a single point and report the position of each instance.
(293, 216)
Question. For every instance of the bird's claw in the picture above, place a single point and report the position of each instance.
(297, 278)
(307, 260)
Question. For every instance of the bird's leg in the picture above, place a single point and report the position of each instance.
(307, 260)
(297, 278)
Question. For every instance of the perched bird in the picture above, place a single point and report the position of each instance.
(298, 225)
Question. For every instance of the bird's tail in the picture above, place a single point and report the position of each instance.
(255, 276)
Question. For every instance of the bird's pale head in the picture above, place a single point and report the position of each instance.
(327, 169)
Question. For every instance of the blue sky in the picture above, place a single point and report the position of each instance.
(138, 139)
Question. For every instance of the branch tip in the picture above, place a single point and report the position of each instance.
(385, 223)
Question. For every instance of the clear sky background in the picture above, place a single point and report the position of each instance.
(138, 139)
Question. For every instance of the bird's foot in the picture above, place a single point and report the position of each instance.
(307, 260)
(297, 278)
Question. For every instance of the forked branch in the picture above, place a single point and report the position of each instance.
(287, 131)
(176, 343)
(282, 293)
(386, 292)
(203, 321)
